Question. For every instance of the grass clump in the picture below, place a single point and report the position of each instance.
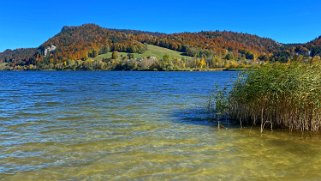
(277, 96)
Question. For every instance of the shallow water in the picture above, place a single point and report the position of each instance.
(135, 125)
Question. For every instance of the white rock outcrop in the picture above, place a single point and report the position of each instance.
(49, 49)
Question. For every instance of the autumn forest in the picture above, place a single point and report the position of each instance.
(91, 47)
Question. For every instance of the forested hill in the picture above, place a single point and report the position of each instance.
(316, 42)
(80, 43)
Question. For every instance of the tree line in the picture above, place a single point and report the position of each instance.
(84, 43)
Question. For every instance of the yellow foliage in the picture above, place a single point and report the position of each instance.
(202, 63)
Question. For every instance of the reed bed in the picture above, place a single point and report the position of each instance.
(283, 96)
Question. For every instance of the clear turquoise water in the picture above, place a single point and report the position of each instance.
(135, 126)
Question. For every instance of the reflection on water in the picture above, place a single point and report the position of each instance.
(135, 125)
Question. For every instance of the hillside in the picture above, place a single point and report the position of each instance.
(315, 42)
(90, 41)
(151, 51)
(22, 55)
(315, 46)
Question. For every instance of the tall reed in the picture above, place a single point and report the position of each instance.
(276, 96)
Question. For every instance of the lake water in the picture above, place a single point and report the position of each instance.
(136, 125)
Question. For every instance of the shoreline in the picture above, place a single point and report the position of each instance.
(70, 70)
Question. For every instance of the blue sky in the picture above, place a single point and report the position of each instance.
(30, 23)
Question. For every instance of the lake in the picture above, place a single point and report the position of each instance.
(136, 126)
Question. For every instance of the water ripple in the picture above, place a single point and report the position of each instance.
(135, 126)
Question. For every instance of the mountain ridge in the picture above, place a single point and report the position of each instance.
(89, 40)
